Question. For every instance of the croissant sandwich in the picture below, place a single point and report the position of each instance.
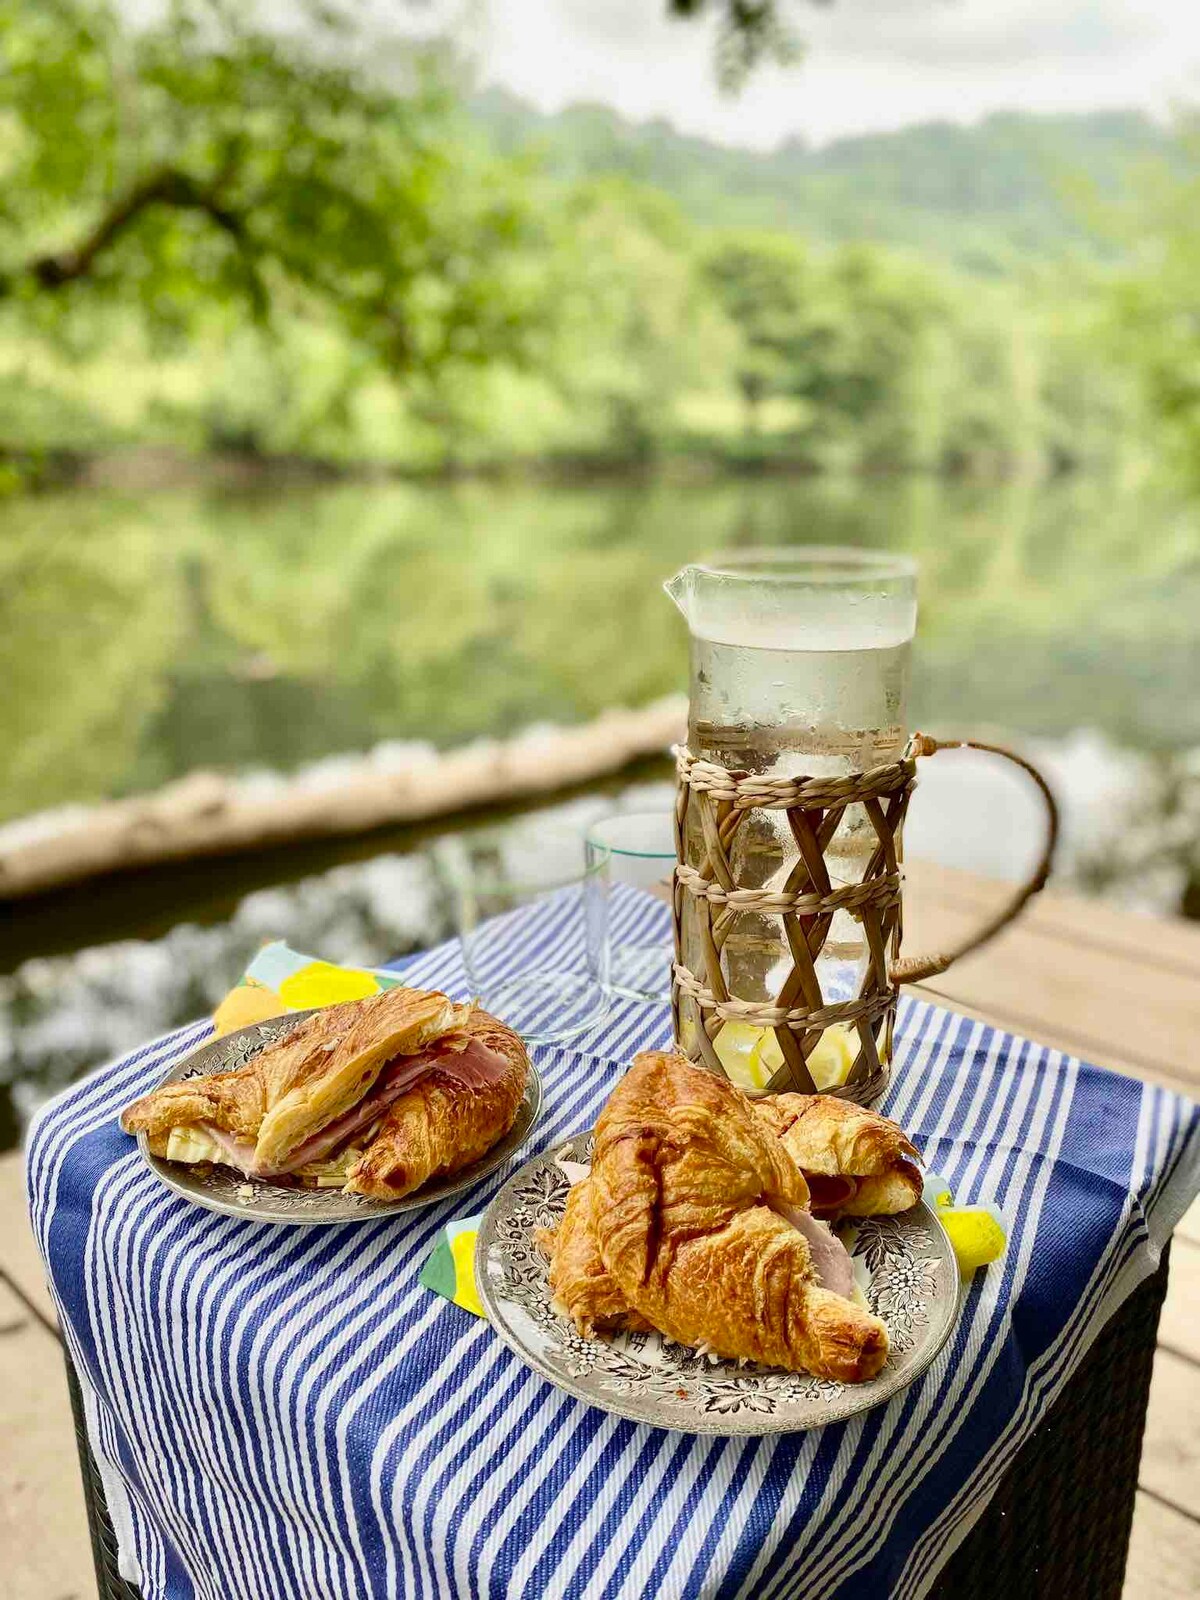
(856, 1164)
(695, 1220)
(374, 1097)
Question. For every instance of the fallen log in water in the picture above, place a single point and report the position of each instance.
(206, 814)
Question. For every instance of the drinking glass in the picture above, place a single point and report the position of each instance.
(518, 900)
(626, 956)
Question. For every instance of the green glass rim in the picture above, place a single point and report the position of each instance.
(596, 842)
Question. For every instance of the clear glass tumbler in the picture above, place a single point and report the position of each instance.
(628, 952)
(519, 907)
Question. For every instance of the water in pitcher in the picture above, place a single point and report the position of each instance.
(800, 665)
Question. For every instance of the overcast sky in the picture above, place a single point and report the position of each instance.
(870, 64)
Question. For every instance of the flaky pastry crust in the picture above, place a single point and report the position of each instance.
(441, 1125)
(688, 1185)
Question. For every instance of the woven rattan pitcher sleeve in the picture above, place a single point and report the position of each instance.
(806, 903)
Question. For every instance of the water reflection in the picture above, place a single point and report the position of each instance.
(139, 640)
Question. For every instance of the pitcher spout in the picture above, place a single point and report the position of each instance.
(680, 590)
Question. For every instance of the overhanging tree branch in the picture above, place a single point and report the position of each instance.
(164, 187)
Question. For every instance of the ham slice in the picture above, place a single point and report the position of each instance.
(474, 1067)
(239, 1153)
(829, 1194)
(831, 1259)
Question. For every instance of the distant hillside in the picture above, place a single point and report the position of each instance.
(982, 195)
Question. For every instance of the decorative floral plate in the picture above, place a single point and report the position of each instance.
(904, 1265)
(259, 1200)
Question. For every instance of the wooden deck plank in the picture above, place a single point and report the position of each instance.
(1154, 941)
(20, 1261)
(1179, 1328)
(1038, 978)
(1171, 1447)
(1049, 985)
(45, 1553)
(1164, 1554)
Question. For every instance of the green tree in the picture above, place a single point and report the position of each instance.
(763, 283)
(205, 162)
(1156, 301)
(637, 325)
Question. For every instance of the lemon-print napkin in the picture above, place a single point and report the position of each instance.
(979, 1234)
(280, 979)
(450, 1269)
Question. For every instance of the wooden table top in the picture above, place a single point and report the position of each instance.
(1117, 988)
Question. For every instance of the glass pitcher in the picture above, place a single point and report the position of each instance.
(799, 664)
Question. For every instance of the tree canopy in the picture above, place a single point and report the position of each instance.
(313, 243)
(1156, 299)
(207, 160)
(749, 32)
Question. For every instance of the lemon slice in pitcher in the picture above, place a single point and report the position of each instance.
(738, 1047)
(829, 1063)
(752, 1056)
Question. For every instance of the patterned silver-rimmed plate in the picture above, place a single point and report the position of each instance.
(258, 1200)
(905, 1266)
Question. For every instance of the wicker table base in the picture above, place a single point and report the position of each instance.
(1057, 1527)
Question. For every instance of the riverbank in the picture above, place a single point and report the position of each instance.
(154, 468)
(208, 814)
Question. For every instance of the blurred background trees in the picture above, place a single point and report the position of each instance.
(198, 164)
(1156, 299)
(198, 175)
(316, 242)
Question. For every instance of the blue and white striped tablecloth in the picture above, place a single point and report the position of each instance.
(288, 1412)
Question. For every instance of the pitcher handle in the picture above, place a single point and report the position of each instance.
(912, 969)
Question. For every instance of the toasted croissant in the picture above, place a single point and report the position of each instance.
(443, 1123)
(294, 1088)
(832, 1140)
(688, 1189)
(579, 1280)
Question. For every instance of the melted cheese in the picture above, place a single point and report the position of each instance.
(193, 1144)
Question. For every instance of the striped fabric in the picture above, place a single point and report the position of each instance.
(283, 1411)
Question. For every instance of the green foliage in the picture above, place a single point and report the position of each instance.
(223, 236)
(204, 164)
(1156, 301)
(986, 196)
(763, 285)
(636, 329)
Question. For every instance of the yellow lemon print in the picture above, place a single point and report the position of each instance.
(977, 1236)
(462, 1248)
(320, 983)
(249, 1002)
